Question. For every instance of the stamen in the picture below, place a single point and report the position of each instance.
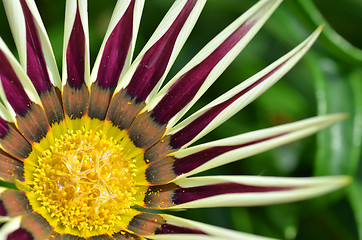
(86, 181)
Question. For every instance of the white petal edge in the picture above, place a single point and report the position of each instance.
(295, 130)
(260, 11)
(159, 32)
(216, 233)
(16, 19)
(308, 188)
(70, 12)
(9, 227)
(24, 79)
(292, 58)
(118, 12)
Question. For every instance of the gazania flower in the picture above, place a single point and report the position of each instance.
(98, 156)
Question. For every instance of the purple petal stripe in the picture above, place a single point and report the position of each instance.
(13, 89)
(154, 62)
(76, 54)
(36, 65)
(187, 133)
(116, 51)
(190, 162)
(20, 234)
(4, 128)
(2, 209)
(173, 229)
(186, 87)
(184, 195)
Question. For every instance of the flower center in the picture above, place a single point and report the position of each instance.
(85, 181)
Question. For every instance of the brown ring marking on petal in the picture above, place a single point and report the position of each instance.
(36, 64)
(20, 234)
(123, 235)
(160, 197)
(123, 110)
(75, 101)
(71, 237)
(15, 202)
(158, 150)
(13, 142)
(99, 101)
(34, 124)
(55, 236)
(101, 237)
(145, 223)
(144, 131)
(52, 105)
(162, 171)
(10, 168)
(36, 225)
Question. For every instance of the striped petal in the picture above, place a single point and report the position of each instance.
(210, 155)
(36, 54)
(226, 191)
(75, 77)
(20, 97)
(195, 78)
(224, 107)
(115, 55)
(147, 72)
(11, 230)
(162, 226)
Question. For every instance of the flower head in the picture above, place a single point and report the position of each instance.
(97, 155)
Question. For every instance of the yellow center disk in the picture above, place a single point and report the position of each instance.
(85, 182)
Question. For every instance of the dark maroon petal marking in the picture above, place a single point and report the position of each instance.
(172, 229)
(116, 51)
(2, 209)
(184, 195)
(76, 54)
(13, 89)
(125, 236)
(187, 133)
(4, 128)
(36, 65)
(186, 87)
(20, 234)
(154, 62)
(190, 162)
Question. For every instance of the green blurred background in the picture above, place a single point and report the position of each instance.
(327, 80)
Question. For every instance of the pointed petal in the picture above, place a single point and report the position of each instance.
(192, 81)
(162, 226)
(115, 55)
(36, 54)
(227, 191)
(76, 59)
(20, 97)
(221, 109)
(173, 101)
(12, 229)
(150, 68)
(210, 155)
(35, 51)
